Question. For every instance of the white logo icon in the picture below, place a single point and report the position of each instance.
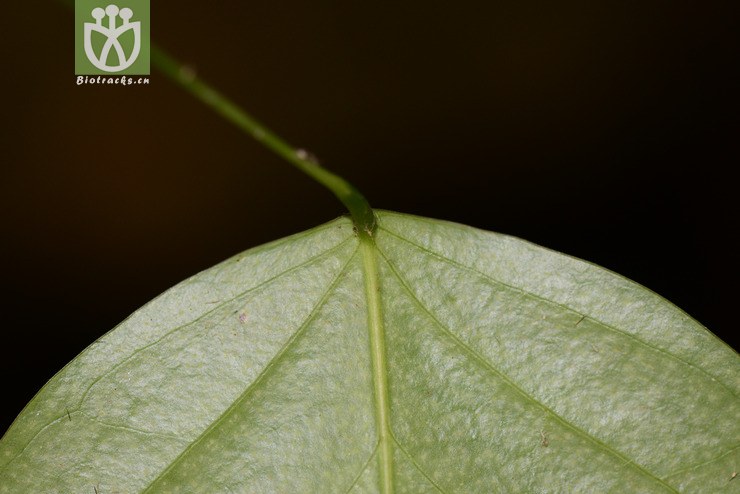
(112, 33)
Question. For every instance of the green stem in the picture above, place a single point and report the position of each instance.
(359, 208)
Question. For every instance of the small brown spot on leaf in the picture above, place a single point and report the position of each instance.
(545, 442)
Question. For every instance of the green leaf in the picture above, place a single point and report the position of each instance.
(432, 357)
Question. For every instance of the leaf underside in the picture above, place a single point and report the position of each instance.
(503, 366)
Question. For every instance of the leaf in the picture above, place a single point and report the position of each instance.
(439, 358)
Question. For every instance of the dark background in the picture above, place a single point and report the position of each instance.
(601, 129)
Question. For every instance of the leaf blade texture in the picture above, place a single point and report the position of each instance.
(507, 368)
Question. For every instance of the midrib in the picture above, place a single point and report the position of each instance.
(379, 365)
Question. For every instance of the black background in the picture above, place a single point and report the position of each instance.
(605, 130)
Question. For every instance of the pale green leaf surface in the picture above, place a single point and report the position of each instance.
(507, 368)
